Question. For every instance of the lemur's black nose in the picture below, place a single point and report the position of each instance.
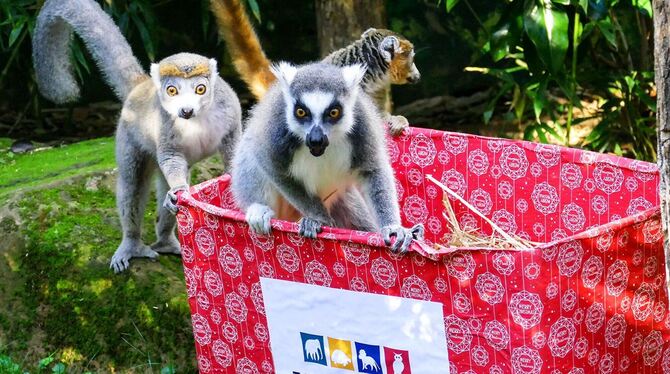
(316, 141)
(185, 113)
(414, 78)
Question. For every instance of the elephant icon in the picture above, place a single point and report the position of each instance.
(313, 349)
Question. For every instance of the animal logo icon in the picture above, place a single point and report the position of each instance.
(367, 361)
(369, 358)
(397, 361)
(398, 365)
(313, 349)
(340, 358)
(341, 353)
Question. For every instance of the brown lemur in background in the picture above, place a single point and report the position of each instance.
(179, 114)
(389, 58)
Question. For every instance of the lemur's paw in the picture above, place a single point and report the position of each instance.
(170, 202)
(126, 251)
(309, 227)
(167, 246)
(397, 124)
(403, 236)
(258, 217)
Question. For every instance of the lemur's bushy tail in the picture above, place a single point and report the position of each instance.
(243, 45)
(51, 49)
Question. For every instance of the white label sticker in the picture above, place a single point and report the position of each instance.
(316, 329)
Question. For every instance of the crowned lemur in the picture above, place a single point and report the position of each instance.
(389, 58)
(316, 140)
(180, 114)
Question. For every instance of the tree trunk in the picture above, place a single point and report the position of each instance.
(339, 22)
(662, 73)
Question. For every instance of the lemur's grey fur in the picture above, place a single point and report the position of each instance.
(51, 50)
(376, 49)
(309, 160)
(157, 129)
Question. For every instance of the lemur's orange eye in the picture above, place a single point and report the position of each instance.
(300, 113)
(171, 90)
(334, 113)
(201, 89)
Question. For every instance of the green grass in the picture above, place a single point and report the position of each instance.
(25, 171)
(60, 304)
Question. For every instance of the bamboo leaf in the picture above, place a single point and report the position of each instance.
(644, 6)
(253, 4)
(540, 99)
(144, 34)
(584, 4)
(450, 4)
(14, 35)
(606, 28)
(548, 30)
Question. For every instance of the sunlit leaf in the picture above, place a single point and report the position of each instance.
(584, 4)
(551, 131)
(644, 6)
(505, 37)
(548, 30)
(253, 4)
(540, 134)
(450, 4)
(45, 362)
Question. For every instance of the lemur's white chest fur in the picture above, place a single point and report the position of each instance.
(333, 169)
(201, 135)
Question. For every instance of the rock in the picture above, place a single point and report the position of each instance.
(22, 146)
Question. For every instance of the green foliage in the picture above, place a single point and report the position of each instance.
(8, 366)
(552, 57)
(18, 22)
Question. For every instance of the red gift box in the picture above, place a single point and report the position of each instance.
(591, 298)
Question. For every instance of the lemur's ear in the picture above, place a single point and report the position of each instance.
(154, 71)
(368, 32)
(213, 72)
(388, 47)
(285, 72)
(353, 74)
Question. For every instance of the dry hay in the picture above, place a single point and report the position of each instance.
(470, 238)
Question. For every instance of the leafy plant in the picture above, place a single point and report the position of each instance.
(19, 21)
(7, 365)
(552, 56)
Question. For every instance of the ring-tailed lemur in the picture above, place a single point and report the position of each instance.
(179, 114)
(315, 140)
(388, 56)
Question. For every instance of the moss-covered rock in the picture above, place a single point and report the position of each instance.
(58, 297)
(44, 167)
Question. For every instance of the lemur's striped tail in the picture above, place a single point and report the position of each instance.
(243, 45)
(51, 49)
